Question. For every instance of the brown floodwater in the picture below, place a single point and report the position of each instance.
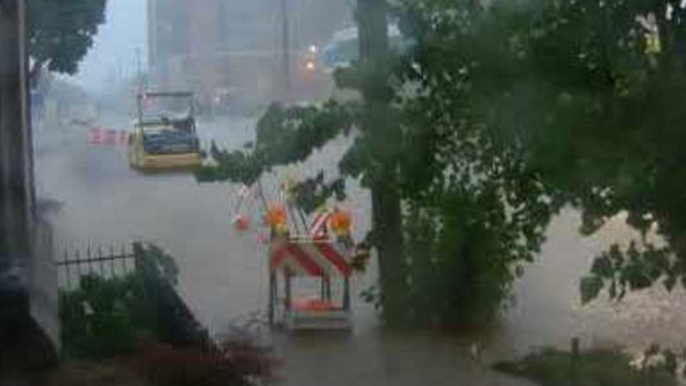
(223, 274)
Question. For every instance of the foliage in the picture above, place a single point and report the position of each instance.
(551, 367)
(593, 108)
(117, 317)
(477, 209)
(165, 267)
(105, 317)
(473, 209)
(497, 117)
(576, 92)
(284, 136)
(60, 33)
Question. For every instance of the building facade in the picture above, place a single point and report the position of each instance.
(234, 51)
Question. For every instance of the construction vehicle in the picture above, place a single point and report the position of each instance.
(165, 137)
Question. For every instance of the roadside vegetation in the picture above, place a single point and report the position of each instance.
(472, 139)
(601, 367)
(470, 142)
(116, 332)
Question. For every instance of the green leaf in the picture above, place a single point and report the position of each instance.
(670, 282)
(62, 32)
(590, 287)
(602, 267)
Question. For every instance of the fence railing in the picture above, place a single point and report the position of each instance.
(176, 323)
(106, 261)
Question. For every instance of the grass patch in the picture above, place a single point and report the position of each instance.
(600, 367)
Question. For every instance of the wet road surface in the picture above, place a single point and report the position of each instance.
(223, 274)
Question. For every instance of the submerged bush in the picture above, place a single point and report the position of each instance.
(119, 323)
(552, 367)
(105, 317)
(108, 316)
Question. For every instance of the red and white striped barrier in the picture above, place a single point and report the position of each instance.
(319, 226)
(108, 137)
(309, 258)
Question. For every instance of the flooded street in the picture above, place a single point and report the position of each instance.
(223, 275)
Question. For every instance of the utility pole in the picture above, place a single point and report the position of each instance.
(139, 71)
(286, 48)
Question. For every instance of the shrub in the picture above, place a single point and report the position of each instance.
(230, 363)
(606, 367)
(105, 317)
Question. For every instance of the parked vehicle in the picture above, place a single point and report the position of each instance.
(165, 137)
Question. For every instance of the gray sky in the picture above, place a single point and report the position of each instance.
(114, 49)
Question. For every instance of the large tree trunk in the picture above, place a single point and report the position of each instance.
(389, 241)
(384, 135)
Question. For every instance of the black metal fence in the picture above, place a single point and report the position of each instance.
(104, 260)
(176, 323)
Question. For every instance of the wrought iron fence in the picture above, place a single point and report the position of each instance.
(104, 260)
(176, 323)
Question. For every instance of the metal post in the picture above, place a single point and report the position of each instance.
(302, 218)
(288, 289)
(113, 267)
(102, 262)
(67, 272)
(574, 369)
(322, 290)
(346, 293)
(286, 47)
(295, 220)
(124, 257)
(79, 270)
(327, 288)
(273, 285)
(138, 256)
(139, 102)
(139, 69)
(272, 295)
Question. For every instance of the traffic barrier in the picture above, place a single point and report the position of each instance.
(319, 226)
(100, 136)
(309, 258)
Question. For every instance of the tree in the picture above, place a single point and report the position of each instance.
(61, 33)
(498, 117)
(379, 146)
(290, 135)
(477, 210)
(607, 139)
(589, 99)
(455, 209)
